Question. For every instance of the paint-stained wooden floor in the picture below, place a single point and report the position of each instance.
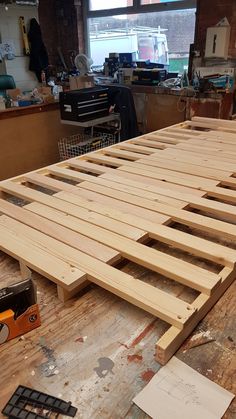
(102, 374)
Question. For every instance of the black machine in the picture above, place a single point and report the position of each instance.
(148, 76)
(84, 104)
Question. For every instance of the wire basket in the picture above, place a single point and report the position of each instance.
(79, 144)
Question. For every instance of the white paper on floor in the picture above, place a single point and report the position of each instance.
(179, 392)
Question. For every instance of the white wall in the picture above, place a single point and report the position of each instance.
(10, 30)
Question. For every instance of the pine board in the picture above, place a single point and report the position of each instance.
(76, 220)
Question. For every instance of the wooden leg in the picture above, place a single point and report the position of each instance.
(65, 295)
(25, 271)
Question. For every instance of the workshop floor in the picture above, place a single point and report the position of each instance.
(98, 351)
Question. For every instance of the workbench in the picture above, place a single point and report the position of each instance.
(96, 349)
(159, 107)
(30, 131)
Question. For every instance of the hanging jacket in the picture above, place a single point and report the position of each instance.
(122, 98)
(38, 52)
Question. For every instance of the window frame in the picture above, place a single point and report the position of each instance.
(137, 8)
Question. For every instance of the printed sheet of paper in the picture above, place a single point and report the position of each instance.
(179, 392)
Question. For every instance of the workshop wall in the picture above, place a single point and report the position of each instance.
(10, 30)
(61, 23)
(208, 14)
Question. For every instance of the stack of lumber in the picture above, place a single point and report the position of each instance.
(74, 221)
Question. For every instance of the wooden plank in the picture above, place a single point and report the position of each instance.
(99, 170)
(222, 194)
(178, 136)
(214, 208)
(164, 196)
(168, 176)
(226, 148)
(187, 168)
(161, 138)
(172, 339)
(149, 143)
(100, 220)
(186, 131)
(198, 159)
(135, 148)
(59, 232)
(65, 295)
(186, 242)
(162, 188)
(225, 137)
(149, 171)
(207, 150)
(193, 220)
(37, 179)
(145, 296)
(216, 121)
(208, 125)
(38, 259)
(217, 137)
(153, 259)
(128, 155)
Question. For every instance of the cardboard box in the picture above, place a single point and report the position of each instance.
(19, 311)
(14, 93)
(81, 82)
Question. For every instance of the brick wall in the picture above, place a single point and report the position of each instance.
(61, 23)
(209, 12)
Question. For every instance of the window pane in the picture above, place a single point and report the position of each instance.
(151, 35)
(156, 1)
(114, 4)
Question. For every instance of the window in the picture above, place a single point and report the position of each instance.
(101, 4)
(156, 1)
(161, 36)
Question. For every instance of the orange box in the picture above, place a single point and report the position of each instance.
(22, 316)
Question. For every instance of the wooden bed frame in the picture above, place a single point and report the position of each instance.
(74, 221)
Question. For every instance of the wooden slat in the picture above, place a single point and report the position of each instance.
(207, 150)
(200, 247)
(158, 195)
(100, 170)
(125, 187)
(186, 131)
(209, 125)
(216, 122)
(187, 168)
(128, 155)
(38, 258)
(153, 259)
(97, 219)
(178, 215)
(161, 138)
(149, 143)
(151, 299)
(202, 160)
(59, 232)
(135, 148)
(149, 171)
(138, 253)
(226, 148)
